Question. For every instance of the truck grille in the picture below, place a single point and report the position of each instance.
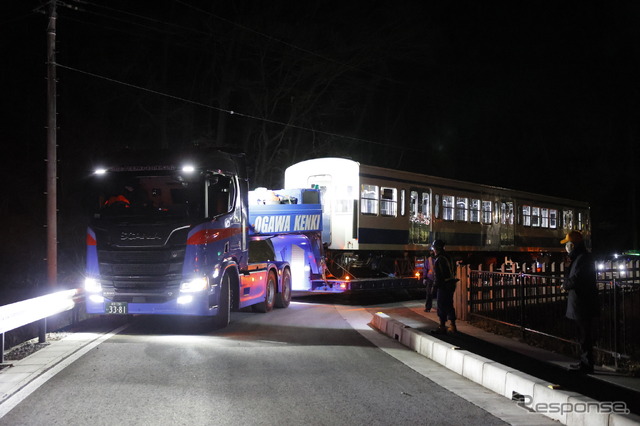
(146, 256)
(149, 276)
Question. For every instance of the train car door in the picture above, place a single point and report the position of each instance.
(507, 223)
(420, 218)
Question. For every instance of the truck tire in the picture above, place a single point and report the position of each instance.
(223, 316)
(269, 296)
(284, 297)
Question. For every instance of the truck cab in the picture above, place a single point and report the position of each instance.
(171, 234)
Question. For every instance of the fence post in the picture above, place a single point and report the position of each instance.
(491, 292)
(520, 278)
(461, 303)
(42, 330)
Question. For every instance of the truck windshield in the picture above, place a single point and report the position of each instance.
(126, 195)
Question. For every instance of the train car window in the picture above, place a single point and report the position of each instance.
(344, 200)
(447, 207)
(462, 209)
(402, 202)
(436, 207)
(369, 199)
(580, 221)
(553, 218)
(496, 214)
(506, 212)
(413, 204)
(323, 183)
(426, 207)
(420, 207)
(388, 201)
(474, 211)
(526, 215)
(567, 219)
(510, 213)
(486, 212)
(544, 218)
(535, 217)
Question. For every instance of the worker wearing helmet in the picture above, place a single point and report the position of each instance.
(444, 282)
(582, 301)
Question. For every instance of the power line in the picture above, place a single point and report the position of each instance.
(293, 46)
(231, 112)
(156, 25)
(206, 33)
(141, 17)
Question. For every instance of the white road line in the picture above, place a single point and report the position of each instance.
(15, 399)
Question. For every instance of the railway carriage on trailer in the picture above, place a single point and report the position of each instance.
(379, 221)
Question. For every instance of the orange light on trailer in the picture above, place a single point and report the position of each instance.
(347, 278)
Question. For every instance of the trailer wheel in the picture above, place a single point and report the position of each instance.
(270, 295)
(284, 297)
(223, 316)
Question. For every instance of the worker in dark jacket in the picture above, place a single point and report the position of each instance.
(445, 285)
(582, 301)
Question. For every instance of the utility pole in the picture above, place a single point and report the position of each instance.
(52, 184)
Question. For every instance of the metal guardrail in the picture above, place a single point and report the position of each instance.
(28, 311)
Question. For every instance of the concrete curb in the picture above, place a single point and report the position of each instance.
(569, 408)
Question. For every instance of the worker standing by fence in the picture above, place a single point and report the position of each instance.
(582, 301)
(445, 285)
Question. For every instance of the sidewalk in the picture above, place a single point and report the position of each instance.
(509, 359)
(40, 366)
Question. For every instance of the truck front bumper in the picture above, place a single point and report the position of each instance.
(191, 304)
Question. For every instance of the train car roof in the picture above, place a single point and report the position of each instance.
(455, 184)
(445, 183)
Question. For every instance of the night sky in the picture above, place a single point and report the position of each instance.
(537, 96)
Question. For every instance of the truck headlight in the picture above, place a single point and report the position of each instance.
(92, 285)
(185, 300)
(194, 285)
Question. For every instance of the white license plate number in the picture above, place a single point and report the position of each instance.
(116, 308)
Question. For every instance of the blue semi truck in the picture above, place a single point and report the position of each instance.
(181, 234)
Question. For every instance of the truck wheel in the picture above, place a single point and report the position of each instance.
(284, 297)
(270, 295)
(221, 319)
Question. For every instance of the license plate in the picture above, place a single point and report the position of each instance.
(116, 308)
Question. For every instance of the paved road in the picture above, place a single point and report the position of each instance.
(309, 364)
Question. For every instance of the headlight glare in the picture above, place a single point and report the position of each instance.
(92, 285)
(194, 285)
